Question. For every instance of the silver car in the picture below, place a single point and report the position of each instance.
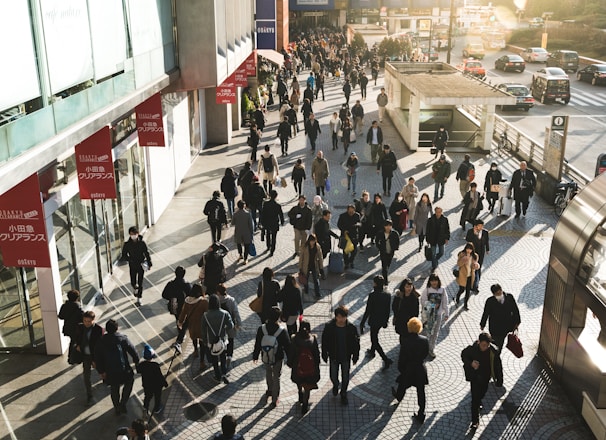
(534, 55)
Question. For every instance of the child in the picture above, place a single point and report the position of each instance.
(228, 429)
(153, 380)
(298, 176)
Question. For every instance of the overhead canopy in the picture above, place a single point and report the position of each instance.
(273, 56)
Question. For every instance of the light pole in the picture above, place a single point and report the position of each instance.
(450, 26)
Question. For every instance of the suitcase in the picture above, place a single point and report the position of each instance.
(336, 263)
(505, 204)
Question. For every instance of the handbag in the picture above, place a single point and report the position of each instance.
(433, 150)
(428, 253)
(434, 174)
(340, 133)
(252, 250)
(256, 305)
(456, 272)
(352, 137)
(404, 219)
(283, 182)
(514, 344)
(495, 188)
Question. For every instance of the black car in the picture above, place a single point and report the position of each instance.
(510, 62)
(594, 73)
(524, 99)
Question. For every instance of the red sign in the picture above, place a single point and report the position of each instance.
(240, 76)
(22, 226)
(149, 122)
(226, 92)
(95, 166)
(251, 64)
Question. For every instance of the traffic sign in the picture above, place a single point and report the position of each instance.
(559, 122)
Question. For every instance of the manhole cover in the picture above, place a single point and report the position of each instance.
(201, 412)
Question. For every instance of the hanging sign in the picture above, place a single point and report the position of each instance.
(226, 92)
(149, 122)
(95, 167)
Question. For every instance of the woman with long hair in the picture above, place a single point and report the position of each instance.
(405, 305)
(434, 310)
(467, 262)
(304, 360)
(312, 261)
(196, 304)
(423, 211)
(292, 306)
(269, 289)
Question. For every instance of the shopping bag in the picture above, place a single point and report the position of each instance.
(352, 137)
(252, 250)
(349, 246)
(302, 279)
(327, 185)
(433, 150)
(428, 253)
(283, 182)
(404, 220)
(256, 305)
(514, 344)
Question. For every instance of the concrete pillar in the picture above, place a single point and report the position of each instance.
(484, 140)
(413, 121)
(218, 119)
(236, 113)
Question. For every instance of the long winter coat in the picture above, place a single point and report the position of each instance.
(296, 345)
(320, 171)
(410, 193)
(243, 227)
(467, 267)
(413, 352)
(422, 213)
(192, 311)
(304, 259)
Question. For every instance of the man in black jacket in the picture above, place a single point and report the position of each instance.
(481, 244)
(312, 129)
(438, 234)
(284, 135)
(387, 164)
(300, 217)
(388, 243)
(374, 138)
(340, 344)
(357, 112)
(378, 309)
(255, 197)
(502, 313)
(349, 222)
(111, 361)
(271, 219)
(175, 292)
(135, 252)
(214, 210)
(523, 182)
(323, 232)
(88, 334)
(463, 175)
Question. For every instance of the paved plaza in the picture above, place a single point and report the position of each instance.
(43, 397)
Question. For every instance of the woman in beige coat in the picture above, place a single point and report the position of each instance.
(196, 304)
(467, 263)
(409, 193)
(312, 261)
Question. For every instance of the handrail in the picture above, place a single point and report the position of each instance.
(471, 138)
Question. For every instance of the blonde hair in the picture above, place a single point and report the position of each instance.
(414, 325)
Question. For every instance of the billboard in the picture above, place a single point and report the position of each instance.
(95, 166)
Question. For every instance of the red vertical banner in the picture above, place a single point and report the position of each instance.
(240, 76)
(95, 166)
(226, 92)
(251, 64)
(23, 237)
(149, 122)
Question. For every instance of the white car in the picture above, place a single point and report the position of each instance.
(535, 55)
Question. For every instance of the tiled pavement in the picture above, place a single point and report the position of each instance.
(42, 397)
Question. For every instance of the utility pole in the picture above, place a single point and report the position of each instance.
(450, 26)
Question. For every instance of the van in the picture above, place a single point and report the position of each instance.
(564, 59)
(546, 88)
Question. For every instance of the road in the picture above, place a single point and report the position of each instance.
(587, 112)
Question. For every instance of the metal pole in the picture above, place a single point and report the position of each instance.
(97, 248)
(28, 309)
(450, 25)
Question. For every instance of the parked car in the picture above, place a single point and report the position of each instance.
(565, 59)
(535, 55)
(524, 99)
(594, 73)
(473, 67)
(510, 62)
(474, 50)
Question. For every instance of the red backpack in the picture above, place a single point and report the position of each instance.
(306, 365)
(471, 173)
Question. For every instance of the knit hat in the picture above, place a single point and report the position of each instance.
(317, 200)
(148, 352)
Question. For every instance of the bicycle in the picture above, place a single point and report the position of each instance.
(504, 144)
(564, 194)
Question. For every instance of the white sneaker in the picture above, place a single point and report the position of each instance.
(138, 303)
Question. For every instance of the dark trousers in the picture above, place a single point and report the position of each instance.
(253, 154)
(298, 186)
(136, 278)
(215, 360)
(521, 205)
(181, 332)
(401, 392)
(156, 393)
(230, 347)
(421, 240)
(335, 141)
(375, 346)
(267, 185)
(498, 339)
(345, 366)
(314, 276)
(320, 190)
(478, 391)
(284, 144)
(243, 251)
(270, 236)
(87, 362)
(387, 183)
(115, 392)
(467, 289)
(385, 263)
(295, 129)
(318, 92)
(312, 142)
(347, 99)
(215, 231)
(363, 91)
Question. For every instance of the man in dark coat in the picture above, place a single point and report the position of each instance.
(440, 140)
(374, 138)
(323, 232)
(523, 183)
(255, 197)
(214, 210)
(357, 112)
(481, 244)
(175, 293)
(214, 267)
(88, 334)
(347, 91)
(312, 129)
(481, 362)
(378, 309)
(271, 219)
(111, 361)
(388, 243)
(308, 93)
(414, 350)
(245, 178)
(340, 344)
(438, 234)
(284, 135)
(300, 218)
(349, 222)
(502, 314)
(259, 118)
(135, 252)
(387, 164)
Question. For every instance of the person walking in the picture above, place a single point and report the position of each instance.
(259, 117)
(216, 324)
(363, 85)
(479, 237)
(467, 263)
(347, 90)
(382, 102)
(374, 138)
(523, 183)
(245, 179)
(284, 134)
(190, 318)
(357, 112)
(324, 233)
(214, 210)
(255, 198)
(438, 234)
(440, 172)
(319, 173)
(272, 343)
(481, 362)
(291, 114)
(388, 243)
(152, 379)
(271, 219)
(312, 261)
(229, 303)
(298, 175)
(398, 211)
(307, 111)
(472, 205)
(87, 336)
(423, 211)
(378, 309)
(175, 293)
(269, 290)
(111, 362)
(492, 185)
(347, 134)
(387, 164)
(363, 208)
(243, 231)
(317, 209)
(405, 305)
(268, 168)
(71, 314)
(292, 304)
(334, 126)
(465, 175)
(351, 169)
(349, 224)
(411, 365)
(312, 129)
(410, 192)
(135, 252)
(378, 215)
(434, 310)
(300, 218)
(340, 345)
(304, 361)
(440, 140)
(253, 141)
(502, 314)
(229, 190)
(320, 84)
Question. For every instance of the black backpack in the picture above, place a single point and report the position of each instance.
(268, 163)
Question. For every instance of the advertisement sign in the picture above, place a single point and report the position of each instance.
(95, 167)
(266, 34)
(240, 76)
(251, 64)
(226, 92)
(23, 237)
(149, 122)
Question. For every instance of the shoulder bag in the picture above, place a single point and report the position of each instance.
(256, 305)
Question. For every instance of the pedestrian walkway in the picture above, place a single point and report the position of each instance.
(44, 397)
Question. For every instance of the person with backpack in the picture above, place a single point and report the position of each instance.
(216, 324)
(175, 293)
(71, 314)
(111, 361)
(304, 361)
(153, 380)
(229, 304)
(135, 252)
(216, 216)
(340, 345)
(378, 309)
(194, 307)
(268, 168)
(465, 175)
(272, 344)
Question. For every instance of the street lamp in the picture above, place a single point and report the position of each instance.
(450, 26)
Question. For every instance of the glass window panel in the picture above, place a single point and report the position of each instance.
(139, 177)
(30, 130)
(593, 267)
(100, 95)
(4, 151)
(108, 35)
(144, 20)
(61, 228)
(88, 277)
(70, 110)
(114, 229)
(125, 185)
